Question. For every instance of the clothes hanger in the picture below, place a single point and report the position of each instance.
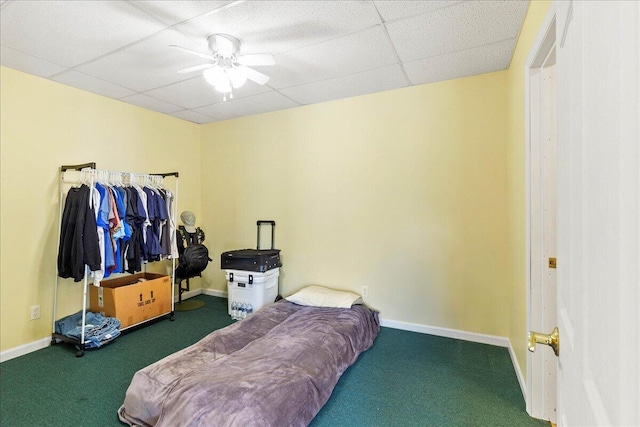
(83, 178)
(159, 182)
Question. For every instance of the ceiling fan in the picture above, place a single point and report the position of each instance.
(228, 69)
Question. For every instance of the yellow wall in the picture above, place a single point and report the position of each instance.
(402, 191)
(43, 126)
(418, 193)
(516, 158)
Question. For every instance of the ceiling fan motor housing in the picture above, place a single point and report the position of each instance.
(224, 44)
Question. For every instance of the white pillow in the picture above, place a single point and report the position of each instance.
(319, 296)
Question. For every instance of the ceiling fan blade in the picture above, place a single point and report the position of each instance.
(257, 59)
(193, 52)
(196, 68)
(254, 75)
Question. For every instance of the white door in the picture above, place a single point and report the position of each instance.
(542, 202)
(549, 233)
(598, 55)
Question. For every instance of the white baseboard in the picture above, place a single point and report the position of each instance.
(21, 350)
(215, 293)
(196, 292)
(519, 375)
(188, 294)
(448, 333)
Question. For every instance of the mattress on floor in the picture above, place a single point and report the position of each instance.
(277, 367)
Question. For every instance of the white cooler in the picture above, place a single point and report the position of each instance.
(250, 287)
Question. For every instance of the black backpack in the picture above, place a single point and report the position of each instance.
(193, 261)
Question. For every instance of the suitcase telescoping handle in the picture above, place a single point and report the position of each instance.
(273, 229)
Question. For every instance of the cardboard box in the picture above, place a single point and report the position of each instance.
(132, 299)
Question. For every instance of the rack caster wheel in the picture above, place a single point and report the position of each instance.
(53, 341)
(80, 353)
(171, 318)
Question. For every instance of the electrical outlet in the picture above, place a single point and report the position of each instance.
(35, 312)
(365, 291)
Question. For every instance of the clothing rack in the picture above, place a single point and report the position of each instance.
(89, 173)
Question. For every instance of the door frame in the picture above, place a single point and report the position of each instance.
(546, 39)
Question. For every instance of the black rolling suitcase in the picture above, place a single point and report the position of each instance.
(258, 260)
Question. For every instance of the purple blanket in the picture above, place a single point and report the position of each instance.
(278, 367)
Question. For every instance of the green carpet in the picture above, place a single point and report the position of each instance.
(406, 379)
(188, 305)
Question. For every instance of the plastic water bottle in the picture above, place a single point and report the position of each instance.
(243, 311)
(249, 309)
(234, 310)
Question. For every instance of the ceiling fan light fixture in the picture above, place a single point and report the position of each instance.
(237, 77)
(224, 86)
(214, 75)
(219, 79)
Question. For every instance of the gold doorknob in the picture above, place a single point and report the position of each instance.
(552, 340)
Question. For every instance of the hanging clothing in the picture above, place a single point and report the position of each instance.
(98, 275)
(123, 233)
(152, 241)
(132, 227)
(78, 237)
(135, 219)
(103, 223)
(168, 237)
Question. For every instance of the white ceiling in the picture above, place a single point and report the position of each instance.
(324, 50)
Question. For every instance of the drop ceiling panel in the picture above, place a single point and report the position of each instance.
(470, 62)
(257, 104)
(324, 49)
(73, 32)
(29, 64)
(151, 103)
(148, 64)
(174, 12)
(92, 84)
(341, 56)
(366, 82)
(455, 28)
(190, 93)
(280, 26)
(392, 10)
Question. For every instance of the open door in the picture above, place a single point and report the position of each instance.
(541, 221)
(598, 282)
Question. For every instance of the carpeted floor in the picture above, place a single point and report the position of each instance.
(406, 379)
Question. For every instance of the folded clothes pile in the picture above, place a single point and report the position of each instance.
(98, 329)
